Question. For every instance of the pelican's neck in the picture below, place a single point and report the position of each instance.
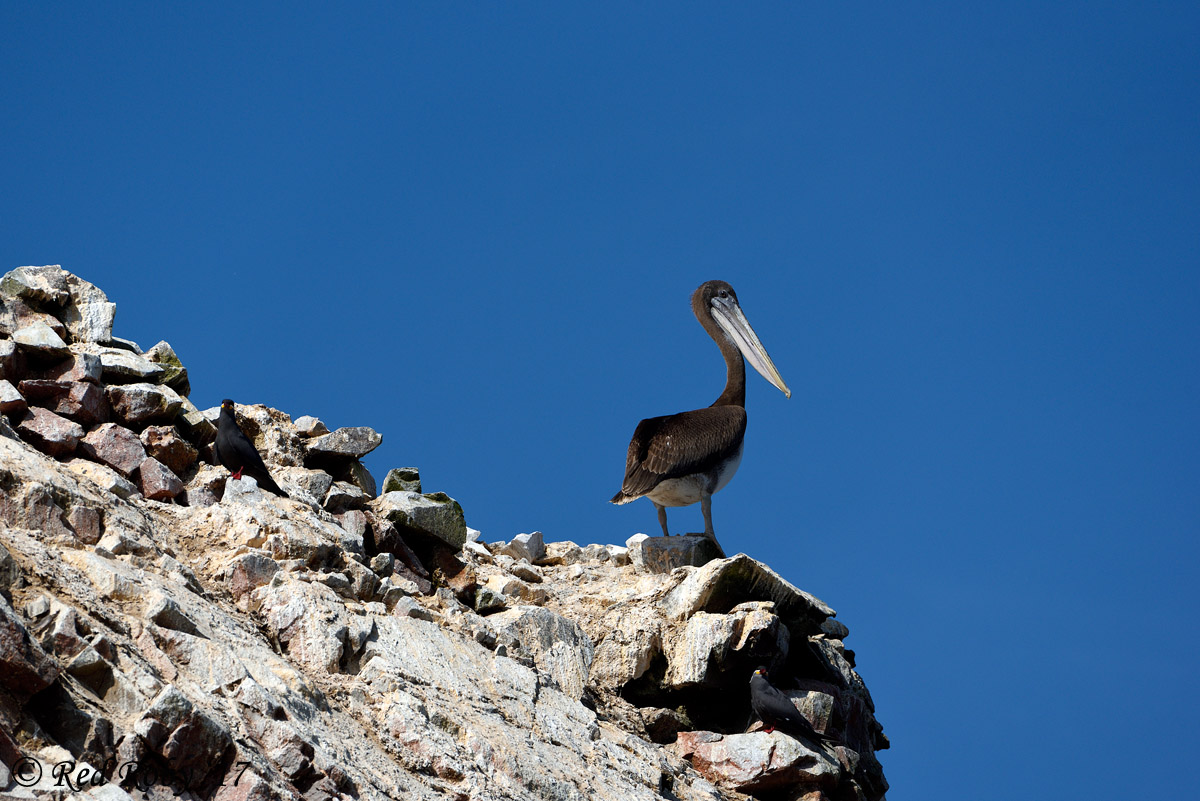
(735, 365)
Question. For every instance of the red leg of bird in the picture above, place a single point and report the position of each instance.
(238, 474)
(769, 729)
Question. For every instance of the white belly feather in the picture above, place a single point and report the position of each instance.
(686, 490)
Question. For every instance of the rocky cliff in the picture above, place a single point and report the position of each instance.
(166, 632)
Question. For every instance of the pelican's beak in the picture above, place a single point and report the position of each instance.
(728, 315)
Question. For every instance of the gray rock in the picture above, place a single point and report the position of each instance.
(120, 366)
(560, 647)
(301, 483)
(174, 374)
(194, 424)
(11, 361)
(104, 477)
(436, 515)
(488, 601)
(36, 284)
(11, 401)
(342, 496)
(722, 584)
(81, 401)
(38, 339)
(664, 554)
(143, 404)
(358, 475)
(530, 547)
(308, 426)
(402, 479)
(354, 442)
(49, 433)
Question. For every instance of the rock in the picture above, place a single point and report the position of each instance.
(12, 362)
(663, 725)
(37, 285)
(87, 523)
(757, 762)
(103, 476)
(194, 425)
(191, 743)
(39, 340)
(142, 404)
(173, 451)
(248, 572)
(121, 366)
(359, 476)
(717, 649)
(11, 401)
(301, 483)
(561, 553)
(559, 646)
(81, 401)
(79, 366)
(434, 515)
(174, 374)
(115, 446)
(308, 426)
(664, 554)
(49, 433)
(157, 481)
(405, 479)
(24, 667)
(722, 584)
(352, 443)
(488, 601)
(523, 570)
(530, 547)
(343, 495)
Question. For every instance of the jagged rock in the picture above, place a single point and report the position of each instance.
(559, 646)
(49, 433)
(561, 553)
(39, 340)
(757, 762)
(300, 482)
(81, 401)
(247, 572)
(194, 424)
(664, 554)
(174, 374)
(142, 404)
(157, 481)
(103, 476)
(118, 366)
(36, 284)
(355, 443)
(633, 640)
(402, 479)
(358, 475)
(342, 496)
(191, 742)
(24, 667)
(83, 307)
(530, 547)
(11, 401)
(435, 515)
(705, 653)
(79, 366)
(126, 344)
(663, 725)
(720, 585)
(87, 523)
(12, 363)
(115, 446)
(164, 444)
(308, 426)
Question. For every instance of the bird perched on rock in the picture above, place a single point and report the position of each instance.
(235, 451)
(776, 710)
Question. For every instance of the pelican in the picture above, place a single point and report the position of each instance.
(682, 458)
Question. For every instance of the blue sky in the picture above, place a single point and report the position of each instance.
(968, 234)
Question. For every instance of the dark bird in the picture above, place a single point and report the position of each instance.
(682, 458)
(235, 451)
(777, 711)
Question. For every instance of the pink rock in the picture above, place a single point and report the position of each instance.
(49, 433)
(757, 762)
(140, 404)
(158, 483)
(86, 522)
(77, 367)
(115, 446)
(165, 445)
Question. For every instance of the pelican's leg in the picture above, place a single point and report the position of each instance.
(706, 507)
(662, 518)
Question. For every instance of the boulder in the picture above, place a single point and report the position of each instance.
(757, 762)
(724, 583)
(560, 647)
(173, 451)
(309, 426)
(530, 547)
(174, 374)
(11, 401)
(406, 479)
(119, 366)
(79, 366)
(115, 446)
(142, 404)
(49, 433)
(435, 515)
(104, 477)
(353, 443)
(664, 554)
(157, 481)
(39, 340)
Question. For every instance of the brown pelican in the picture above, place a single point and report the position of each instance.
(683, 458)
